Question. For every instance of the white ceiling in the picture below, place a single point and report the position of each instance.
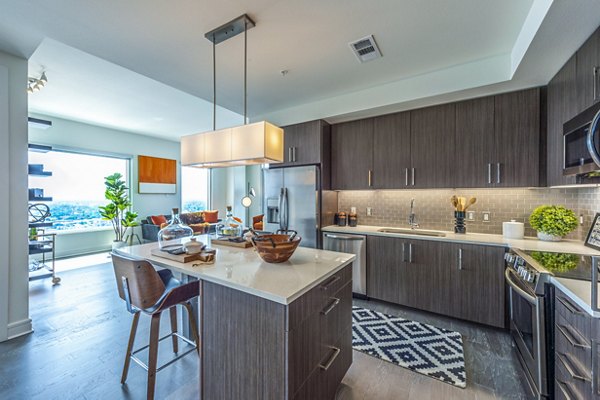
(144, 65)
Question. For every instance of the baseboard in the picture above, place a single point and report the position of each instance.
(19, 328)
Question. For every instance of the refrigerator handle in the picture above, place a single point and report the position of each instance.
(283, 209)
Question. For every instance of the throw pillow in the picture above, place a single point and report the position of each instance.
(211, 216)
(158, 219)
(194, 218)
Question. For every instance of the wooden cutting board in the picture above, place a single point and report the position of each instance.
(182, 258)
(224, 242)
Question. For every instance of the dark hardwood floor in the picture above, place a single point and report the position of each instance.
(81, 331)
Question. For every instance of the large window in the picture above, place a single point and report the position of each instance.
(76, 187)
(194, 189)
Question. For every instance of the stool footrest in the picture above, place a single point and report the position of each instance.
(186, 340)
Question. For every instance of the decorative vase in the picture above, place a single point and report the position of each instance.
(230, 227)
(171, 235)
(459, 224)
(548, 238)
(117, 244)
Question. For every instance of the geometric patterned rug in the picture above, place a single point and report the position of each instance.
(423, 348)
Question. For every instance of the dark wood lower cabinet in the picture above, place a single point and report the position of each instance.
(463, 281)
(576, 336)
(253, 348)
(477, 283)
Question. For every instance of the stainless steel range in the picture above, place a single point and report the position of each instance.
(531, 319)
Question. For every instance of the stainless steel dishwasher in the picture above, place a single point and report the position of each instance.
(353, 244)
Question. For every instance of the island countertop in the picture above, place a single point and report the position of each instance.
(244, 270)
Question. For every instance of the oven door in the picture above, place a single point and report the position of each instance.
(527, 323)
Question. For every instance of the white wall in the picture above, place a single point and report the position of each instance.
(79, 136)
(229, 186)
(14, 294)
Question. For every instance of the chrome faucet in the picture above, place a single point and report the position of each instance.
(412, 218)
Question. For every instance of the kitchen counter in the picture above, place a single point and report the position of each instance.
(528, 243)
(242, 269)
(579, 291)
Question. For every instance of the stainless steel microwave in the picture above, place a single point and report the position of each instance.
(581, 145)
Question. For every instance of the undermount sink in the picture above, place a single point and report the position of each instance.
(405, 231)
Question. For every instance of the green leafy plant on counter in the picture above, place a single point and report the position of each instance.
(553, 220)
(117, 211)
(556, 262)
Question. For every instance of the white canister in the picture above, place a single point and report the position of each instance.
(513, 229)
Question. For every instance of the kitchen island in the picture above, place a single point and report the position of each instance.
(270, 331)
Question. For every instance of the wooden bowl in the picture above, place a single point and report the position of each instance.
(276, 248)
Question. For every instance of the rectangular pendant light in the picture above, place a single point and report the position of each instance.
(257, 143)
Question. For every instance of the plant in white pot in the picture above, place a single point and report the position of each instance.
(552, 223)
(118, 210)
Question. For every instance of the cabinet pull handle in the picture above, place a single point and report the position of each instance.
(406, 176)
(336, 352)
(574, 375)
(595, 87)
(595, 286)
(294, 153)
(331, 306)
(569, 306)
(410, 253)
(413, 176)
(290, 158)
(563, 388)
(403, 252)
(498, 179)
(594, 368)
(570, 337)
(330, 282)
(490, 173)
(460, 252)
(370, 178)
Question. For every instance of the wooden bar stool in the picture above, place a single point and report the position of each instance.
(148, 291)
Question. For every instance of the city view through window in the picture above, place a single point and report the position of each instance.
(76, 187)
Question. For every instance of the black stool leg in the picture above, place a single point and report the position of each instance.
(134, 324)
(190, 311)
(153, 354)
(173, 312)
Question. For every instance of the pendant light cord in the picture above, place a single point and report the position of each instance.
(214, 85)
(245, 70)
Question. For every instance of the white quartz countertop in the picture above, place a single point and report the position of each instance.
(579, 291)
(244, 270)
(528, 243)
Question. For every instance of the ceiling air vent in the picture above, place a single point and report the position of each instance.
(365, 49)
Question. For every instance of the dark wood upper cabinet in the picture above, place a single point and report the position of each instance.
(433, 147)
(517, 135)
(352, 155)
(588, 63)
(475, 142)
(562, 106)
(391, 151)
(306, 143)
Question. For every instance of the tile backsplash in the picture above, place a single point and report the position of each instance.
(434, 211)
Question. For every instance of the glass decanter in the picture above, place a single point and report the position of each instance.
(173, 235)
(231, 226)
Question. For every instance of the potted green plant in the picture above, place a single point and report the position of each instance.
(552, 222)
(118, 210)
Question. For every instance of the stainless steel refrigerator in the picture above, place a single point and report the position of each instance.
(294, 200)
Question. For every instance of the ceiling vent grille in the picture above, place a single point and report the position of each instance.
(365, 49)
